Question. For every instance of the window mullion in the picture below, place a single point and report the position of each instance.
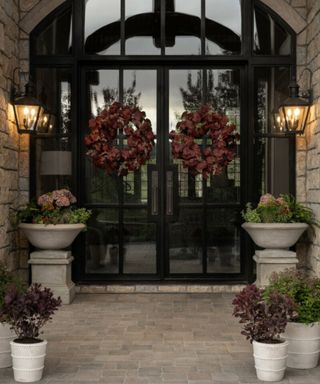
(78, 27)
(203, 27)
(122, 28)
(163, 27)
(247, 26)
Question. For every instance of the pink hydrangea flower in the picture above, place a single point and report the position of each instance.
(62, 201)
(56, 199)
(70, 196)
(63, 197)
(45, 200)
(267, 198)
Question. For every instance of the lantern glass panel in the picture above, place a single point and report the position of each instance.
(27, 117)
(295, 117)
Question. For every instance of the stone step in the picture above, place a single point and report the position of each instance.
(160, 288)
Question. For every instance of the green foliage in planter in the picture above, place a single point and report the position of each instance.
(26, 214)
(300, 213)
(56, 207)
(304, 290)
(251, 215)
(283, 209)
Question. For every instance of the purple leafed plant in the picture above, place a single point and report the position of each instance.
(27, 312)
(264, 319)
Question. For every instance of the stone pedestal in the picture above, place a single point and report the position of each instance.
(52, 269)
(273, 260)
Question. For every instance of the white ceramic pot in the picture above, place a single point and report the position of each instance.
(28, 361)
(275, 235)
(50, 236)
(6, 335)
(304, 345)
(270, 360)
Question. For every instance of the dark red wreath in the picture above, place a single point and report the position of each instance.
(215, 152)
(105, 129)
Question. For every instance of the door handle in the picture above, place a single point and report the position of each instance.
(154, 193)
(169, 194)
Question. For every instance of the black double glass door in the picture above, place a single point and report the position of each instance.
(162, 222)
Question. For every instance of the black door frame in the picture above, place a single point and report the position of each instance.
(162, 156)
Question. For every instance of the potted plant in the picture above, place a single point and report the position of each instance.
(303, 334)
(277, 223)
(264, 319)
(27, 312)
(53, 221)
(6, 334)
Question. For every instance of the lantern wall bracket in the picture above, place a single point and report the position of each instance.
(307, 94)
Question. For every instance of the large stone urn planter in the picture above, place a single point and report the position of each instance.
(50, 236)
(275, 235)
(51, 263)
(276, 239)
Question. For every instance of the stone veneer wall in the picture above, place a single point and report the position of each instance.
(302, 15)
(14, 168)
(308, 147)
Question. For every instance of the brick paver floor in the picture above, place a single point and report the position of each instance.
(150, 339)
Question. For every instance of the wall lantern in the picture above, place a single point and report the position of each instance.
(293, 113)
(27, 109)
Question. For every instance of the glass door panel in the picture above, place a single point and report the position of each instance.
(140, 249)
(185, 241)
(102, 241)
(223, 245)
(203, 233)
(121, 237)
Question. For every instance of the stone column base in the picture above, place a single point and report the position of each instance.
(275, 260)
(52, 269)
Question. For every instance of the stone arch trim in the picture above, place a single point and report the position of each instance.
(44, 7)
(38, 13)
(287, 13)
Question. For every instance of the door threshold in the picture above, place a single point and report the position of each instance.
(160, 288)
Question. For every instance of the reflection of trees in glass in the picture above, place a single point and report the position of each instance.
(192, 96)
(203, 90)
(260, 145)
(226, 92)
(130, 96)
(261, 104)
(65, 118)
(108, 185)
(217, 88)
